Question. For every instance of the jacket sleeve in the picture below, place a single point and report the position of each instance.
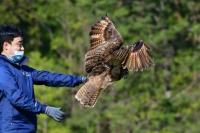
(55, 79)
(9, 88)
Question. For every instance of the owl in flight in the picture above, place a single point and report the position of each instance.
(108, 60)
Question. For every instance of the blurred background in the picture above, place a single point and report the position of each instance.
(163, 99)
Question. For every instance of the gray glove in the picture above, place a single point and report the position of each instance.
(55, 113)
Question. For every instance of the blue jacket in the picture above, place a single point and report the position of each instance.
(18, 107)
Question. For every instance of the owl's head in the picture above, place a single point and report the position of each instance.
(104, 31)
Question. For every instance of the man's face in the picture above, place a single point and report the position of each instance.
(15, 45)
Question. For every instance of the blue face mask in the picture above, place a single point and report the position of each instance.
(17, 57)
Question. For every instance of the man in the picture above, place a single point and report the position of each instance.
(18, 107)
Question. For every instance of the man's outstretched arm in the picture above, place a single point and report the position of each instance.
(56, 79)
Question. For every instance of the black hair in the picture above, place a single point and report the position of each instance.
(8, 33)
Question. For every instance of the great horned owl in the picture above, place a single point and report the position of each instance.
(108, 60)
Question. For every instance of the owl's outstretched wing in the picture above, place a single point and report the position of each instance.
(103, 32)
(138, 58)
(104, 39)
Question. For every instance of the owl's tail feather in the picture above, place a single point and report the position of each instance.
(88, 94)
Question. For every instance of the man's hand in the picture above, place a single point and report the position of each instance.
(55, 113)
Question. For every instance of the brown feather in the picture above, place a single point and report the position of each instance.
(101, 31)
(107, 60)
(138, 58)
(88, 94)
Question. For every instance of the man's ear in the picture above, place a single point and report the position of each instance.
(5, 45)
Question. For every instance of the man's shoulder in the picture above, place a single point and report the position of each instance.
(3, 64)
(4, 68)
